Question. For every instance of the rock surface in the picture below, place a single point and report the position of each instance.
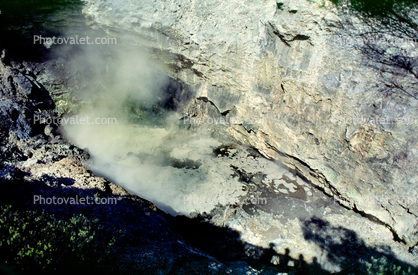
(326, 115)
(295, 96)
(36, 161)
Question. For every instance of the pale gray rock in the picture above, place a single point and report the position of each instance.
(289, 66)
(296, 91)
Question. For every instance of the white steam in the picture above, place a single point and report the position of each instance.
(149, 160)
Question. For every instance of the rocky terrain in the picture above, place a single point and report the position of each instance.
(37, 162)
(315, 173)
(298, 68)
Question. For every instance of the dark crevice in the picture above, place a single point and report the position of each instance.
(247, 130)
(335, 193)
(206, 100)
(227, 112)
(376, 220)
(279, 35)
(300, 37)
(411, 248)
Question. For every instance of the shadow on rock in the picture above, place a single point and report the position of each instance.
(351, 254)
(152, 242)
(225, 245)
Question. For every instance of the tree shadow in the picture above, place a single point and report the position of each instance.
(185, 245)
(351, 254)
(225, 245)
(389, 36)
(342, 246)
(377, 8)
(150, 237)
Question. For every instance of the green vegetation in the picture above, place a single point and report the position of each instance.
(394, 15)
(381, 266)
(279, 5)
(14, 8)
(377, 8)
(27, 5)
(34, 240)
(65, 104)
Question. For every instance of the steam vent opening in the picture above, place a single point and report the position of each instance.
(217, 137)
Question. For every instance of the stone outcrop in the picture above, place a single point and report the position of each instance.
(297, 93)
(36, 161)
(326, 115)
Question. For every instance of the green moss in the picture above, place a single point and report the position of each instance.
(34, 240)
(65, 104)
(382, 266)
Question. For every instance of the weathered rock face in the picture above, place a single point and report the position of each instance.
(36, 161)
(280, 76)
(286, 64)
